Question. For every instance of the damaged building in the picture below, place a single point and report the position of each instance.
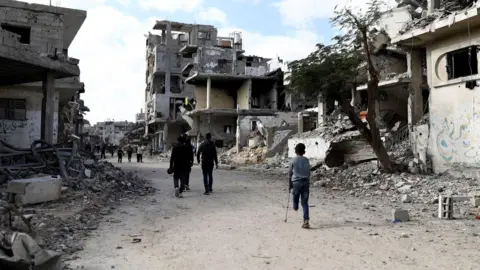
(448, 35)
(201, 82)
(39, 81)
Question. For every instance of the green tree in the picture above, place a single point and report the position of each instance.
(332, 71)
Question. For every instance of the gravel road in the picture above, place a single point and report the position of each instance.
(241, 226)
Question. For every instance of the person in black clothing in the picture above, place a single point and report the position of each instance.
(104, 148)
(88, 147)
(189, 146)
(208, 151)
(180, 163)
(129, 153)
(120, 154)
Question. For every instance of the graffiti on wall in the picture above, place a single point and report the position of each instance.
(456, 139)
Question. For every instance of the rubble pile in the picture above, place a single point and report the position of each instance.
(106, 178)
(61, 224)
(366, 180)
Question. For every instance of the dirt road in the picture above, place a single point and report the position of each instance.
(241, 226)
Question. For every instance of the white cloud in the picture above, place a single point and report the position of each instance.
(213, 14)
(171, 5)
(301, 13)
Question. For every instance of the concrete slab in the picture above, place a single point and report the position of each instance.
(400, 215)
(36, 190)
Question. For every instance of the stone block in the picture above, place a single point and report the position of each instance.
(88, 173)
(475, 200)
(36, 190)
(400, 215)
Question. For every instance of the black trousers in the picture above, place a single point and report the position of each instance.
(120, 158)
(179, 180)
(129, 156)
(207, 177)
(102, 155)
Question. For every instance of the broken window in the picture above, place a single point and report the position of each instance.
(22, 31)
(204, 35)
(13, 109)
(249, 64)
(253, 125)
(462, 63)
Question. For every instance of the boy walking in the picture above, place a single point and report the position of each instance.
(299, 182)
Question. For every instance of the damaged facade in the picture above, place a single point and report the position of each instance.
(200, 82)
(448, 35)
(39, 81)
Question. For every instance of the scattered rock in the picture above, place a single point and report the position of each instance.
(406, 198)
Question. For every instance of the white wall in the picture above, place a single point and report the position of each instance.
(315, 147)
(21, 133)
(454, 109)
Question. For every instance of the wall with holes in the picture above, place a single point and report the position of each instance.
(315, 147)
(46, 29)
(21, 133)
(454, 134)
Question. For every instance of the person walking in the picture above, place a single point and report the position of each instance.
(299, 182)
(140, 151)
(189, 146)
(104, 149)
(208, 152)
(129, 152)
(179, 166)
(120, 154)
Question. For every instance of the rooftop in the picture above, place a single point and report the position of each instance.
(176, 26)
(72, 18)
(439, 24)
(200, 77)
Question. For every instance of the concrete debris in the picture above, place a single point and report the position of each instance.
(21, 251)
(74, 205)
(400, 215)
(406, 198)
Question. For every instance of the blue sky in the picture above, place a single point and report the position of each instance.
(111, 42)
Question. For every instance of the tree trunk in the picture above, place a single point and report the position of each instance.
(372, 135)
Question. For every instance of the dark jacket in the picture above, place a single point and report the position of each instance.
(180, 161)
(190, 151)
(208, 151)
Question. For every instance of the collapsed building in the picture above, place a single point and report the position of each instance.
(39, 81)
(200, 82)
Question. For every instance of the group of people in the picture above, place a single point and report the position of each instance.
(182, 160)
(139, 149)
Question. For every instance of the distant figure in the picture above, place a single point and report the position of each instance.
(112, 149)
(299, 182)
(140, 150)
(88, 147)
(208, 151)
(129, 153)
(104, 148)
(120, 154)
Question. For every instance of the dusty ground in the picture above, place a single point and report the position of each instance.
(241, 226)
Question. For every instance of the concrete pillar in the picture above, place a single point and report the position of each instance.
(168, 59)
(48, 107)
(322, 112)
(164, 137)
(432, 5)
(237, 132)
(209, 89)
(415, 99)
(300, 122)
